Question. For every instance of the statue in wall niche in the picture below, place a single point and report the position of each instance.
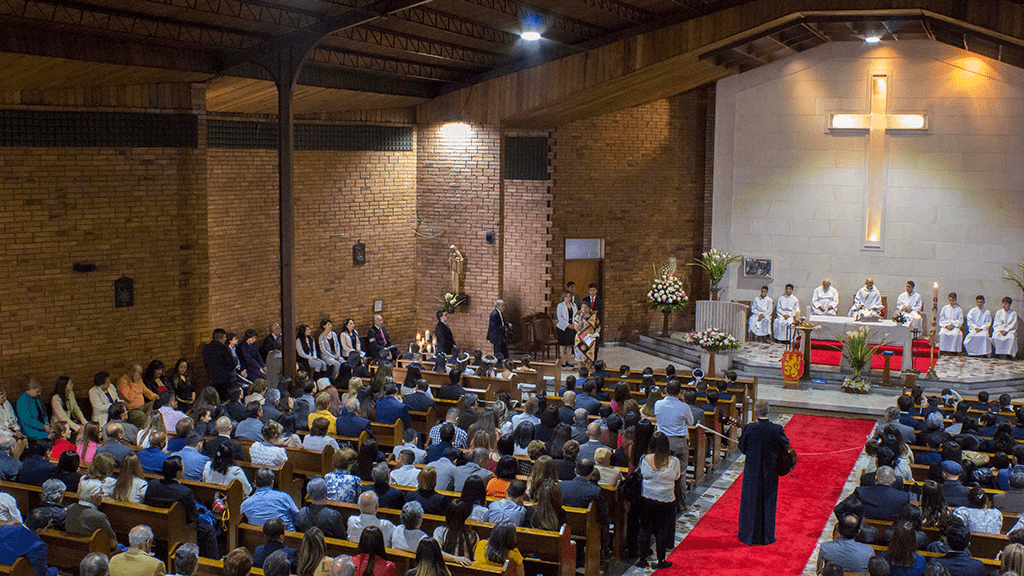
(457, 264)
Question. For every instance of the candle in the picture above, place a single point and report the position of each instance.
(935, 304)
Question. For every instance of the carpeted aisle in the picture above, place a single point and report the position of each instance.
(806, 499)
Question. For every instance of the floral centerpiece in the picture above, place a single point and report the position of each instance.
(858, 353)
(716, 264)
(901, 318)
(666, 293)
(713, 340)
(451, 302)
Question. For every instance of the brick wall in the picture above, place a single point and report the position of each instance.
(635, 178)
(133, 212)
(457, 199)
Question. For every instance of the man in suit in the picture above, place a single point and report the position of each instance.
(136, 561)
(882, 501)
(957, 561)
(892, 418)
(761, 442)
(905, 403)
(380, 341)
(220, 363)
(497, 330)
(164, 492)
(570, 287)
(349, 422)
(37, 469)
(1012, 501)
(453, 390)
(443, 334)
(272, 341)
(597, 305)
(580, 492)
(418, 401)
(114, 446)
(953, 491)
(224, 437)
(567, 411)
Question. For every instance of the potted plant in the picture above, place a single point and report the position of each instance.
(451, 302)
(716, 264)
(858, 352)
(713, 341)
(666, 294)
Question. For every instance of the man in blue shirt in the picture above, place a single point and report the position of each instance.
(586, 400)
(9, 465)
(438, 449)
(390, 408)
(349, 423)
(36, 469)
(152, 458)
(192, 457)
(32, 418)
(266, 503)
(252, 427)
(16, 540)
(115, 445)
(511, 507)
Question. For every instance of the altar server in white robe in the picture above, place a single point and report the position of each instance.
(825, 299)
(1004, 330)
(761, 315)
(867, 303)
(909, 303)
(951, 318)
(786, 309)
(979, 321)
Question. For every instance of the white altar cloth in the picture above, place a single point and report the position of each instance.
(878, 331)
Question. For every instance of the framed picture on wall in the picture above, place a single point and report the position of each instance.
(757, 267)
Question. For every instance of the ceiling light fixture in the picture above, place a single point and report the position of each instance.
(873, 39)
(531, 36)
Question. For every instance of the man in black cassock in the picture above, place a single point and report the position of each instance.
(761, 442)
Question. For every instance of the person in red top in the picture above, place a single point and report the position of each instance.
(61, 433)
(134, 394)
(372, 559)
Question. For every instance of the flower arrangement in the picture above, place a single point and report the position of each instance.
(666, 293)
(716, 264)
(451, 302)
(858, 353)
(712, 340)
(900, 318)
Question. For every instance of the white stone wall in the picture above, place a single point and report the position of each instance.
(785, 189)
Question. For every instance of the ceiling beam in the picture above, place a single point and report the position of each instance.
(566, 24)
(407, 68)
(624, 10)
(456, 25)
(248, 10)
(421, 46)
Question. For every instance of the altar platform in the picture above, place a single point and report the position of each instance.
(966, 375)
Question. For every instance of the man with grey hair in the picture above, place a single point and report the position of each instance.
(277, 564)
(137, 561)
(581, 419)
(497, 330)
(343, 566)
(892, 418)
(84, 517)
(475, 467)
(270, 411)
(368, 505)
(318, 513)
(94, 564)
(387, 495)
(761, 442)
(51, 503)
(408, 535)
(1011, 501)
(381, 345)
(186, 559)
(9, 465)
(266, 503)
(882, 501)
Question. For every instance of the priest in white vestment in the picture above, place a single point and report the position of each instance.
(1004, 330)
(951, 318)
(867, 303)
(825, 299)
(785, 310)
(979, 321)
(909, 303)
(761, 315)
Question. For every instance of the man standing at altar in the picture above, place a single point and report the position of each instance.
(761, 442)
(951, 318)
(785, 310)
(1004, 330)
(761, 315)
(909, 303)
(867, 303)
(979, 321)
(825, 299)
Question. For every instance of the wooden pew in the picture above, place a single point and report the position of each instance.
(207, 567)
(285, 477)
(388, 435)
(65, 551)
(422, 422)
(442, 406)
(990, 564)
(587, 533)
(983, 544)
(252, 536)
(21, 567)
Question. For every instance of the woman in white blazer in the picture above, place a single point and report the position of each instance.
(565, 311)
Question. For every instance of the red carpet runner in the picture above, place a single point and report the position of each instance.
(806, 499)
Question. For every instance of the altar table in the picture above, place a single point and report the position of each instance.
(895, 334)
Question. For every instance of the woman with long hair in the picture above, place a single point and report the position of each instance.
(363, 467)
(102, 469)
(504, 473)
(67, 470)
(372, 559)
(313, 558)
(561, 435)
(383, 372)
(544, 472)
(565, 312)
(457, 539)
(154, 424)
(1011, 559)
(350, 339)
(88, 442)
(622, 395)
(65, 406)
(653, 395)
(305, 349)
(522, 436)
(183, 384)
(429, 559)
(153, 377)
(208, 400)
(902, 553)
(412, 375)
(474, 494)
(660, 470)
(501, 546)
(222, 470)
(588, 330)
(933, 504)
(547, 513)
(131, 485)
(60, 435)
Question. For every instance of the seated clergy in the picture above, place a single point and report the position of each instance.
(786, 309)
(761, 315)
(951, 318)
(825, 299)
(1004, 330)
(867, 303)
(979, 321)
(909, 303)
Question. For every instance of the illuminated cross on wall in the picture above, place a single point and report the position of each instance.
(875, 124)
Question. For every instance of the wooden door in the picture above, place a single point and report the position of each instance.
(583, 273)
